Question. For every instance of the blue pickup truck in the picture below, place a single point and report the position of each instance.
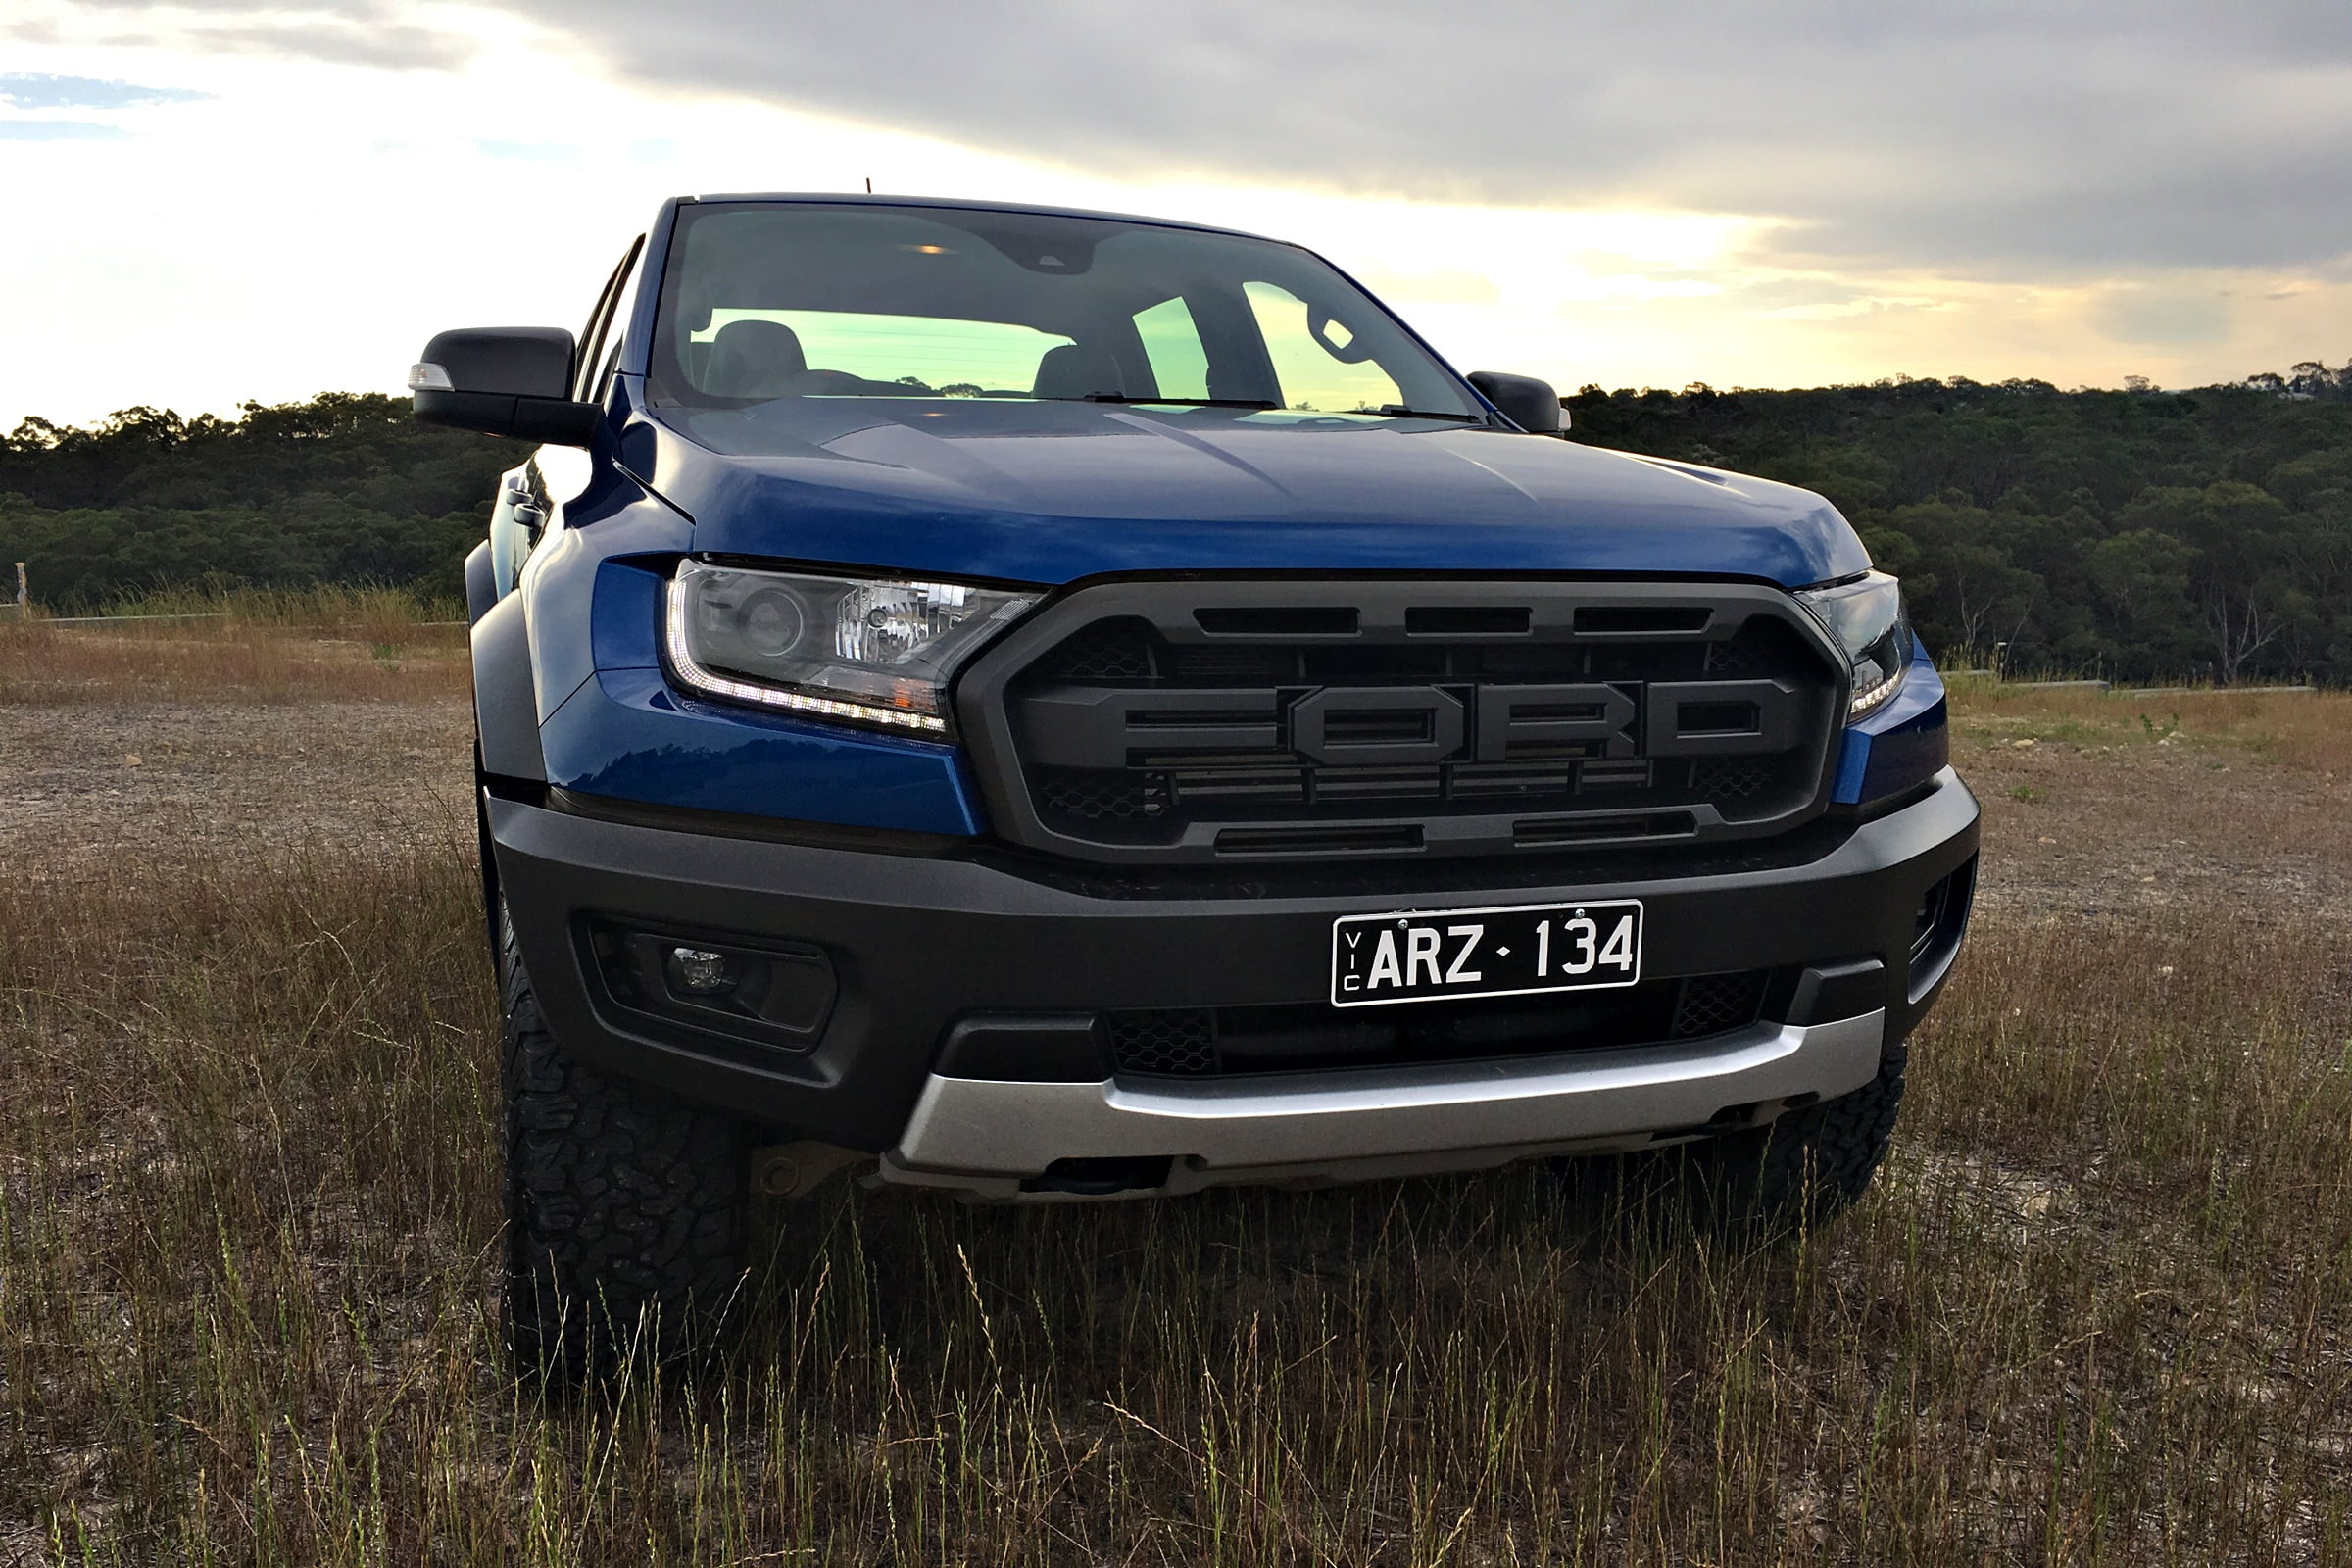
(1048, 704)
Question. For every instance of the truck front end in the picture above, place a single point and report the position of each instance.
(1064, 706)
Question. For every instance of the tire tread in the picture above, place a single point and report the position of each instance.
(625, 1207)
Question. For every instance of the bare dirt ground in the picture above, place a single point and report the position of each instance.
(165, 784)
(2096, 823)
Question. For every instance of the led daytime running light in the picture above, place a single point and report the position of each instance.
(1863, 701)
(704, 680)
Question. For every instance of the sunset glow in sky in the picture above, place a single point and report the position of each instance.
(212, 202)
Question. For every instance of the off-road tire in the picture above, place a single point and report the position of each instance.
(625, 1208)
(1761, 1181)
(1808, 1164)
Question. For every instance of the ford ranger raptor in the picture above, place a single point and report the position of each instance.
(1049, 705)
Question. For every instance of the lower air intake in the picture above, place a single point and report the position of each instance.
(1312, 1037)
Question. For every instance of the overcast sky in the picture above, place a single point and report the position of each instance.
(212, 201)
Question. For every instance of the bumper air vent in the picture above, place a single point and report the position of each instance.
(1310, 1037)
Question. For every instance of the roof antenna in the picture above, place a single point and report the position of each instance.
(870, 184)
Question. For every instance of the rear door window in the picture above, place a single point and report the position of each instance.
(867, 353)
(1172, 348)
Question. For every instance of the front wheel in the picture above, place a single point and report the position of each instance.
(626, 1207)
(1809, 1164)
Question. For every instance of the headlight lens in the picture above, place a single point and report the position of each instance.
(844, 648)
(1866, 617)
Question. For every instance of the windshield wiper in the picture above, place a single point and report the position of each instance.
(1398, 410)
(1188, 403)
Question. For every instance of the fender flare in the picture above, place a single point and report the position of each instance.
(506, 722)
(506, 701)
(481, 590)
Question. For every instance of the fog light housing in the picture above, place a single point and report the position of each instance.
(768, 993)
(1939, 928)
(699, 972)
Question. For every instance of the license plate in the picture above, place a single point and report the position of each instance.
(1516, 951)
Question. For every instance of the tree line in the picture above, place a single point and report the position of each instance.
(345, 488)
(2140, 533)
(2137, 534)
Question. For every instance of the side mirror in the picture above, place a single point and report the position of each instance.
(503, 380)
(1531, 404)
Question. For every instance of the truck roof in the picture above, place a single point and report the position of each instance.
(963, 204)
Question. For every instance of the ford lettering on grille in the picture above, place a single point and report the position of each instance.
(1098, 727)
(1172, 722)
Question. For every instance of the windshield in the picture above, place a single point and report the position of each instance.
(806, 299)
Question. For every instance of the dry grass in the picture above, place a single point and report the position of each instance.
(246, 646)
(2307, 729)
(2099, 1309)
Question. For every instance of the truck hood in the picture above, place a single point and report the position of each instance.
(1053, 492)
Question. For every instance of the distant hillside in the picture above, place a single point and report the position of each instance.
(344, 488)
(2139, 534)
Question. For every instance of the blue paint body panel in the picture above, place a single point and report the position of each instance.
(1053, 493)
(1904, 743)
(624, 618)
(629, 736)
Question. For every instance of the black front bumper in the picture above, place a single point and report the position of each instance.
(915, 944)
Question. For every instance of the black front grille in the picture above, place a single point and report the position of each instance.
(1308, 1036)
(1172, 722)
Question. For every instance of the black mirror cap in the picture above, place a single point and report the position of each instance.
(1531, 404)
(503, 380)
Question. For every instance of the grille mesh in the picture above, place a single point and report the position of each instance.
(1092, 795)
(1166, 1042)
(1107, 650)
(1729, 779)
(1312, 1037)
(1713, 1002)
(1733, 659)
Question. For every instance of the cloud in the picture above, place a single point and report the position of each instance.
(363, 33)
(2005, 138)
(22, 89)
(2001, 138)
(339, 40)
(58, 130)
(2163, 317)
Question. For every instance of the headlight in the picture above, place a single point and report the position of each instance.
(872, 653)
(1866, 618)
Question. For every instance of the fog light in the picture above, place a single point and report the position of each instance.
(699, 971)
(758, 989)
